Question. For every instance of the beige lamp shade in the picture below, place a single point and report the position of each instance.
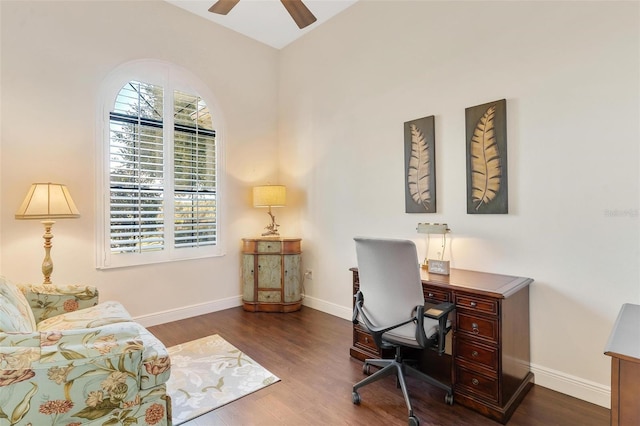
(47, 201)
(269, 196)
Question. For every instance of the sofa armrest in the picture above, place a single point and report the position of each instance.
(91, 375)
(104, 389)
(25, 340)
(48, 300)
(88, 343)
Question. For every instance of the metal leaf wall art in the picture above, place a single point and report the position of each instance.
(486, 158)
(485, 161)
(418, 176)
(420, 166)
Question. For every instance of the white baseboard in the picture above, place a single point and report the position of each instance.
(329, 308)
(576, 387)
(189, 311)
(232, 302)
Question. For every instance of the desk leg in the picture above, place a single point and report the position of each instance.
(615, 391)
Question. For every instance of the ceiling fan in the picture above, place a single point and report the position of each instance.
(298, 11)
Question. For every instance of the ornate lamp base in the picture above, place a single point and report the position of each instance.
(272, 228)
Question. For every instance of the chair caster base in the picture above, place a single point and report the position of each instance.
(448, 398)
(355, 398)
(413, 421)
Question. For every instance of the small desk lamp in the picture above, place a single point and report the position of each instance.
(270, 196)
(436, 266)
(47, 201)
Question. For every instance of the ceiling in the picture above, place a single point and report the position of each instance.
(265, 20)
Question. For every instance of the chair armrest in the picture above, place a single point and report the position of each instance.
(376, 332)
(440, 312)
(48, 300)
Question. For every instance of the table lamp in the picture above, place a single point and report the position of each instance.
(47, 201)
(436, 266)
(270, 196)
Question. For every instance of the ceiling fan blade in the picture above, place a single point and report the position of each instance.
(222, 7)
(299, 12)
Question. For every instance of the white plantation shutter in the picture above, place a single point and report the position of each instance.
(194, 158)
(163, 194)
(136, 177)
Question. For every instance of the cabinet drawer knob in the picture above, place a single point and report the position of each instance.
(473, 304)
(475, 381)
(430, 294)
(366, 340)
(474, 353)
(474, 328)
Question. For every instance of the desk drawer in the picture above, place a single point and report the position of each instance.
(364, 339)
(480, 385)
(477, 354)
(432, 295)
(477, 326)
(478, 304)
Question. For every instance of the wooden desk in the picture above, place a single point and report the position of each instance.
(489, 361)
(624, 349)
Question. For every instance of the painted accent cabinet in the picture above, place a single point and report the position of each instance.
(271, 274)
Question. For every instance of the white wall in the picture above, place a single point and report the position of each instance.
(569, 72)
(55, 56)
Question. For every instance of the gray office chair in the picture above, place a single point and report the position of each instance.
(390, 304)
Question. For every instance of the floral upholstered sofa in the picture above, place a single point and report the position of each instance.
(66, 359)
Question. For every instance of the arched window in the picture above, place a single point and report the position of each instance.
(160, 167)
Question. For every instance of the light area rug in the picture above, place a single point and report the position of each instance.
(208, 373)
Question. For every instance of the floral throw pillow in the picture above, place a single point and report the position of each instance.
(15, 304)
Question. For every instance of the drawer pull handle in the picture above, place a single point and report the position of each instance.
(475, 329)
(473, 304)
(474, 353)
(475, 382)
(366, 340)
(430, 294)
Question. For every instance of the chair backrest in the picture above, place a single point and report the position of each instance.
(389, 274)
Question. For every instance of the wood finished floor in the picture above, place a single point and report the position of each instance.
(309, 351)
